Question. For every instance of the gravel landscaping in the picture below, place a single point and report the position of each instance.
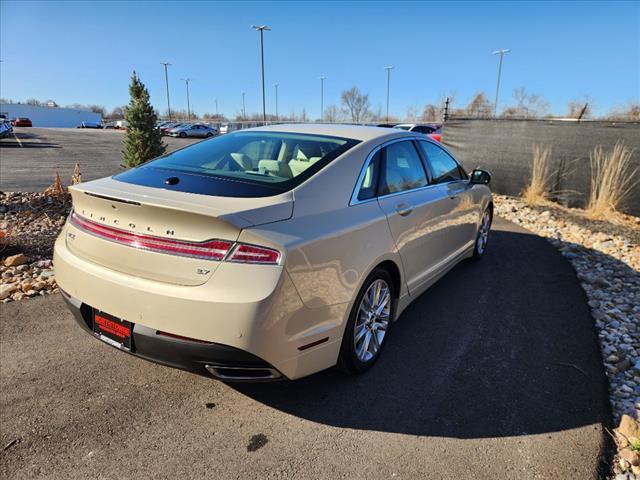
(605, 255)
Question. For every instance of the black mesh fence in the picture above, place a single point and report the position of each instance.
(505, 147)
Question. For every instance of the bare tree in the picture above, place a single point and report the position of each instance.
(355, 104)
(526, 105)
(629, 112)
(117, 113)
(34, 102)
(98, 109)
(480, 106)
(332, 114)
(412, 115)
(579, 108)
(431, 113)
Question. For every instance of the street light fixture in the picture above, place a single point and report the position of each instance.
(322, 79)
(388, 68)
(166, 79)
(261, 29)
(187, 80)
(277, 85)
(501, 53)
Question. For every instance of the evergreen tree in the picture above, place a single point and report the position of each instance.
(142, 140)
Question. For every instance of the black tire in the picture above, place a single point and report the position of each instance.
(479, 248)
(182, 135)
(209, 134)
(348, 360)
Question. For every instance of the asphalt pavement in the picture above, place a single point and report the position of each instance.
(30, 158)
(493, 373)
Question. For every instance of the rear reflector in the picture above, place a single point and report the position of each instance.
(313, 344)
(208, 250)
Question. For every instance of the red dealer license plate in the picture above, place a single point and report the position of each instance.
(112, 330)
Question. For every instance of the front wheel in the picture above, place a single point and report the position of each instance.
(483, 235)
(182, 135)
(209, 134)
(368, 323)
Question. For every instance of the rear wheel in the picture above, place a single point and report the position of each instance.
(483, 235)
(368, 323)
(182, 135)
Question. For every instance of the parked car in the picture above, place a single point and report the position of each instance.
(5, 129)
(164, 129)
(21, 122)
(197, 130)
(434, 131)
(269, 253)
(90, 125)
(121, 124)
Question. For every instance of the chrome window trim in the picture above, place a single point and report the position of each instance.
(354, 196)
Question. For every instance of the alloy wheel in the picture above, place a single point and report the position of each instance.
(372, 320)
(483, 234)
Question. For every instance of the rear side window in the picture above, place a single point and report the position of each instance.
(370, 179)
(443, 167)
(403, 169)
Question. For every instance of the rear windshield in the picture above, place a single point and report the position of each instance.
(258, 157)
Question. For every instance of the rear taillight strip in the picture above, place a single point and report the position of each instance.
(208, 250)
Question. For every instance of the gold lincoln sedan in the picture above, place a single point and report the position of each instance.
(269, 253)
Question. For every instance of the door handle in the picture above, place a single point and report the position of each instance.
(403, 209)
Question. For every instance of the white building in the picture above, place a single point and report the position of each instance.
(49, 116)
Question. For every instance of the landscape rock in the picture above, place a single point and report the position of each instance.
(15, 260)
(6, 290)
(629, 427)
(632, 457)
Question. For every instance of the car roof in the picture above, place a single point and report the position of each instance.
(356, 132)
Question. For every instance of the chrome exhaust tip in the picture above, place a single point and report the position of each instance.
(243, 374)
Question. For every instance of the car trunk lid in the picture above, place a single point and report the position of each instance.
(152, 214)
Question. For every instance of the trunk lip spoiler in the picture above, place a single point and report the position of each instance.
(113, 199)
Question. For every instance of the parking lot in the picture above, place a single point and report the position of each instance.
(495, 372)
(483, 387)
(31, 157)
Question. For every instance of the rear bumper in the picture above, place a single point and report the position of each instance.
(209, 359)
(246, 313)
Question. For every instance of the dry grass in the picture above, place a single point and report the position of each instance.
(612, 179)
(538, 188)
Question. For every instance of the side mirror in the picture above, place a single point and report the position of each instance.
(481, 177)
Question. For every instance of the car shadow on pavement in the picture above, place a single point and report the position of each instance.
(501, 347)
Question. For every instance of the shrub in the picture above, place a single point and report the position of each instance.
(611, 180)
(538, 188)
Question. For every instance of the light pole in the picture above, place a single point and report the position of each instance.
(217, 108)
(388, 68)
(166, 80)
(322, 79)
(261, 29)
(501, 53)
(244, 112)
(187, 80)
(277, 85)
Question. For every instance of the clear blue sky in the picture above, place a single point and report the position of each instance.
(84, 52)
